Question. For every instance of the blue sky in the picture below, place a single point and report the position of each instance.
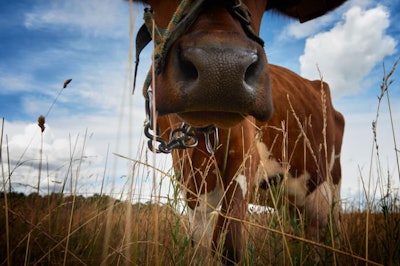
(44, 43)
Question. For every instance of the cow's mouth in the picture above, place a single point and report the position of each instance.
(216, 118)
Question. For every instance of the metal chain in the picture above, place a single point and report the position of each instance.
(208, 132)
(186, 13)
(180, 138)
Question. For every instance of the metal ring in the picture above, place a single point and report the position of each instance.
(211, 148)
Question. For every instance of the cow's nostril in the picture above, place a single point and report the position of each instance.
(251, 74)
(188, 71)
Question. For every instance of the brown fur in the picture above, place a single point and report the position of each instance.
(302, 146)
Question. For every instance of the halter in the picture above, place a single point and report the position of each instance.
(184, 16)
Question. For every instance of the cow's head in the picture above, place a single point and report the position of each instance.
(214, 70)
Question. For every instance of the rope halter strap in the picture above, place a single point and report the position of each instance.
(184, 16)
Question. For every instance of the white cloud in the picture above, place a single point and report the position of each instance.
(91, 17)
(26, 148)
(120, 129)
(10, 83)
(302, 30)
(349, 51)
(309, 28)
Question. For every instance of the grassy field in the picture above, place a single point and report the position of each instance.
(73, 230)
(69, 229)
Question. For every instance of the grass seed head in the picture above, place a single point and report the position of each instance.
(66, 83)
(41, 121)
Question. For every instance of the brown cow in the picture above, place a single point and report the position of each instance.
(211, 72)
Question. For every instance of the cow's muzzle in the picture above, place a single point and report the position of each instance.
(220, 76)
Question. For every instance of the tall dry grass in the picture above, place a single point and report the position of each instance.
(62, 229)
(39, 230)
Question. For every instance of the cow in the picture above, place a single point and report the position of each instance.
(233, 122)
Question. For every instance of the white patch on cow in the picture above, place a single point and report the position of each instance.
(202, 218)
(242, 181)
(337, 204)
(231, 151)
(268, 166)
(320, 200)
(336, 194)
(333, 159)
(215, 172)
(318, 207)
(297, 189)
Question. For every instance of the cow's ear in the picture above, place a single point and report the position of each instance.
(304, 10)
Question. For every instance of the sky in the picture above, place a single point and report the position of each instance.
(96, 118)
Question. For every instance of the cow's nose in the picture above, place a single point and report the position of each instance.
(219, 66)
(215, 73)
(218, 78)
